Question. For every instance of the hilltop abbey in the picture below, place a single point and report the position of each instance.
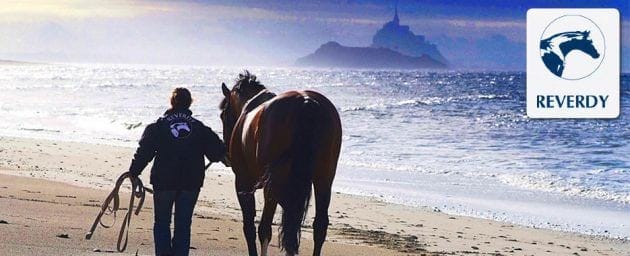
(400, 38)
(393, 46)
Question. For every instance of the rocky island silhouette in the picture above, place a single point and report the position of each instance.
(393, 46)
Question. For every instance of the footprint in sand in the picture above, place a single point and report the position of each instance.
(65, 196)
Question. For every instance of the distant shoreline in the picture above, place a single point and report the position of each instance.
(16, 62)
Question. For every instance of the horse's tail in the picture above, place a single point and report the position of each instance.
(296, 192)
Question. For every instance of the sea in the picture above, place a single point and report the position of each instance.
(458, 142)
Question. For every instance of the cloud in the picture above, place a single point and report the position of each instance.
(36, 11)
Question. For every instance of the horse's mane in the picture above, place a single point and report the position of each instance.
(570, 34)
(246, 79)
(245, 82)
(258, 99)
(546, 43)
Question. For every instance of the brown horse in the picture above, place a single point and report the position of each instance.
(283, 143)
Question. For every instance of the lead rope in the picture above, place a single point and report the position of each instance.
(137, 190)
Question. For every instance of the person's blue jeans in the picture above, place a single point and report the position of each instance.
(184, 202)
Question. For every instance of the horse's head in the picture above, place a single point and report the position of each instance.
(245, 88)
(586, 45)
(575, 40)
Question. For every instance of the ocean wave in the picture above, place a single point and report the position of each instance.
(39, 130)
(536, 181)
(87, 85)
(396, 167)
(426, 101)
(130, 126)
(575, 186)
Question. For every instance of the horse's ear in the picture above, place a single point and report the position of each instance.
(226, 91)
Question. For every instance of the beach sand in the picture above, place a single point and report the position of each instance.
(50, 190)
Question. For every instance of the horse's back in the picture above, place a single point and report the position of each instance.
(293, 100)
(290, 105)
(288, 117)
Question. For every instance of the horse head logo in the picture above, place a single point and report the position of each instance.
(555, 48)
(180, 130)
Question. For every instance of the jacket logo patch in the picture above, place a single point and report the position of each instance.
(180, 130)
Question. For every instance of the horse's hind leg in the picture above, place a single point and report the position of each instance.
(320, 225)
(248, 208)
(264, 228)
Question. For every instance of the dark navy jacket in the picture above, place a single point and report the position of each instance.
(179, 143)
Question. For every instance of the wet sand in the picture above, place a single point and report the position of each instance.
(50, 191)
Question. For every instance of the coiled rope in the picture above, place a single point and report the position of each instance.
(138, 190)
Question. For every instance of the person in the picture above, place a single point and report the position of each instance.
(178, 142)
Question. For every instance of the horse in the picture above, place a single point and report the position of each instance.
(285, 144)
(556, 47)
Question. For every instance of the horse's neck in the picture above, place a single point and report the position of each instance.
(561, 39)
(555, 42)
(258, 99)
(564, 37)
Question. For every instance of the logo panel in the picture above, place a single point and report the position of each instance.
(573, 63)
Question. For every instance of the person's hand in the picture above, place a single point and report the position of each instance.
(226, 161)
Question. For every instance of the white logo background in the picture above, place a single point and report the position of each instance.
(604, 80)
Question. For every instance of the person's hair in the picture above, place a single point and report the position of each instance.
(181, 98)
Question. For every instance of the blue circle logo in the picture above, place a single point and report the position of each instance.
(572, 47)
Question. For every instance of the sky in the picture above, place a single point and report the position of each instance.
(266, 33)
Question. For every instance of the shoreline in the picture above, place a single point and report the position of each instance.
(554, 221)
(356, 220)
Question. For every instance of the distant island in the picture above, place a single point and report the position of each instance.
(333, 54)
(393, 46)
